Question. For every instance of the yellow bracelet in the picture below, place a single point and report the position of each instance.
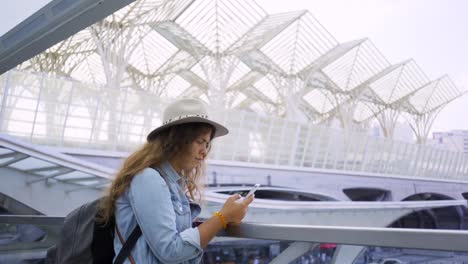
(221, 217)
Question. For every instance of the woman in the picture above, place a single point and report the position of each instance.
(159, 203)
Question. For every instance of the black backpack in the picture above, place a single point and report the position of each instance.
(83, 240)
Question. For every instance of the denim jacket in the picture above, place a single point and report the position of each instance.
(165, 216)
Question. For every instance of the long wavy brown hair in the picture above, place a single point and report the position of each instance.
(170, 142)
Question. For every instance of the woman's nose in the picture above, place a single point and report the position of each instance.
(204, 150)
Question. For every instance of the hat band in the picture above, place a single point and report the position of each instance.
(183, 116)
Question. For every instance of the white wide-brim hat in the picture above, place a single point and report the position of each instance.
(187, 111)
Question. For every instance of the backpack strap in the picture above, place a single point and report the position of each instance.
(164, 176)
(161, 172)
(128, 245)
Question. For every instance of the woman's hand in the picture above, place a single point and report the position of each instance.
(235, 208)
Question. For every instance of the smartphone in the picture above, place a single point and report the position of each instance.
(252, 191)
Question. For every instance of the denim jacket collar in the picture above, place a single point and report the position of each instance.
(170, 171)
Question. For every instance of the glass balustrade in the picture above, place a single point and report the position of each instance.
(53, 111)
(25, 239)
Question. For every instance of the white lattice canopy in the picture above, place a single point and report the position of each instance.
(233, 54)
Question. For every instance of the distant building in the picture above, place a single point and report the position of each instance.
(456, 140)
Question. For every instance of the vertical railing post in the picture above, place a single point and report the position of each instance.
(39, 97)
(349, 147)
(456, 166)
(257, 122)
(67, 113)
(375, 154)
(306, 144)
(406, 159)
(440, 163)
(453, 164)
(96, 116)
(281, 143)
(445, 160)
(426, 163)
(430, 165)
(358, 150)
(464, 168)
(268, 140)
(295, 144)
(389, 168)
(414, 169)
(449, 165)
(331, 134)
(119, 137)
(342, 147)
(317, 145)
(368, 147)
(238, 136)
(384, 164)
(460, 165)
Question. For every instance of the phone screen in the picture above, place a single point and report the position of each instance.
(252, 191)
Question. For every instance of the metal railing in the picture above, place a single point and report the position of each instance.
(429, 239)
(450, 240)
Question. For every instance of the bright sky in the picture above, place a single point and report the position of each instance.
(433, 32)
(13, 12)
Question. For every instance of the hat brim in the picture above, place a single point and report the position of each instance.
(220, 130)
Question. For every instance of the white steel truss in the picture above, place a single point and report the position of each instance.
(233, 54)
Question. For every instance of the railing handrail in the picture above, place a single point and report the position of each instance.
(428, 239)
(32, 220)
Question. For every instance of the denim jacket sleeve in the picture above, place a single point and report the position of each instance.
(150, 199)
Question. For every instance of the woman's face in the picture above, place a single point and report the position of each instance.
(196, 152)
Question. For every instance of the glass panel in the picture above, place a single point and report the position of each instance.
(31, 163)
(74, 175)
(5, 151)
(26, 243)
(47, 172)
(234, 250)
